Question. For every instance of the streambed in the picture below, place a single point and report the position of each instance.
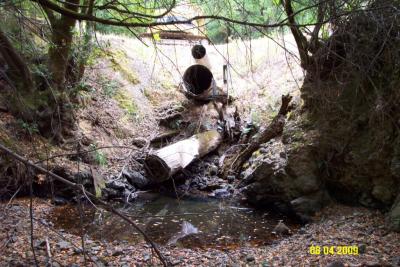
(186, 223)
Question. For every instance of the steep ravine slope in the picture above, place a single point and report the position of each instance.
(343, 143)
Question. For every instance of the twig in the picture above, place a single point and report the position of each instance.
(106, 206)
(11, 199)
(63, 238)
(82, 229)
(83, 152)
(48, 251)
(31, 220)
(82, 233)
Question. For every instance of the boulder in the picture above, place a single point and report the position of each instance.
(393, 217)
(285, 176)
(281, 229)
(308, 205)
(115, 184)
(135, 178)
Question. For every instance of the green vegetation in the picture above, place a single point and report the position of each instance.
(263, 12)
(126, 102)
(29, 128)
(118, 60)
(99, 157)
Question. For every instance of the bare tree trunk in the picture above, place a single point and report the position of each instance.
(59, 51)
(76, 66)
(21, 102)
(62, 114)
(18, 70)
(301, 41)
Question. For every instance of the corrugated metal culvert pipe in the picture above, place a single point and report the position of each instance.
(198, 79)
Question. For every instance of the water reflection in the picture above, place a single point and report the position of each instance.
(170, 221)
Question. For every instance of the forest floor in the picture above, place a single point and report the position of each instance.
(336, 225)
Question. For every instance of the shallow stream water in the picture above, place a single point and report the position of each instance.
(168, 221)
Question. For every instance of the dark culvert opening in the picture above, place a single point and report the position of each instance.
(198, 51)
(197, 79)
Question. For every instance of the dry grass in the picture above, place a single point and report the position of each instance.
(261, 71)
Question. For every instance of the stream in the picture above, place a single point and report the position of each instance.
(189, 223)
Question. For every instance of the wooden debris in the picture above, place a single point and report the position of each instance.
(165, 136)
(163, 163)
(233, 165)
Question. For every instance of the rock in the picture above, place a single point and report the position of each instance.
(283, 174)
(367, 200)
(115, 184)
(109, 193)
(362, 248)
(281, 229)
(393, 217)
(206, 183)
(146, 195)
(302, 231)
(308, 205)
(59, 201)
(117, 252)
(212, 170)
(96, 248)
(373, 264)
(139, 142)
(63, 245)
(383, 192)
(100, 263)
(146, 257)
(176, 262)
(250, 258)
(230, 178)
(78, 251)
(220, 193)
(135, 178)
(336, 264)
(395, 261)
(129, 195)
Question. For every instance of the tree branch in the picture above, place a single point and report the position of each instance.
(91, 196)
(300, 39)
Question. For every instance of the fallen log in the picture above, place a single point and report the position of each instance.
(232, 165)
(165, 162)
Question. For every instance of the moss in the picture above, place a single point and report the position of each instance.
(7, 140)
(126, 102)
(126, 71)
(119, 62)
(256, 153)
(167, 84)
